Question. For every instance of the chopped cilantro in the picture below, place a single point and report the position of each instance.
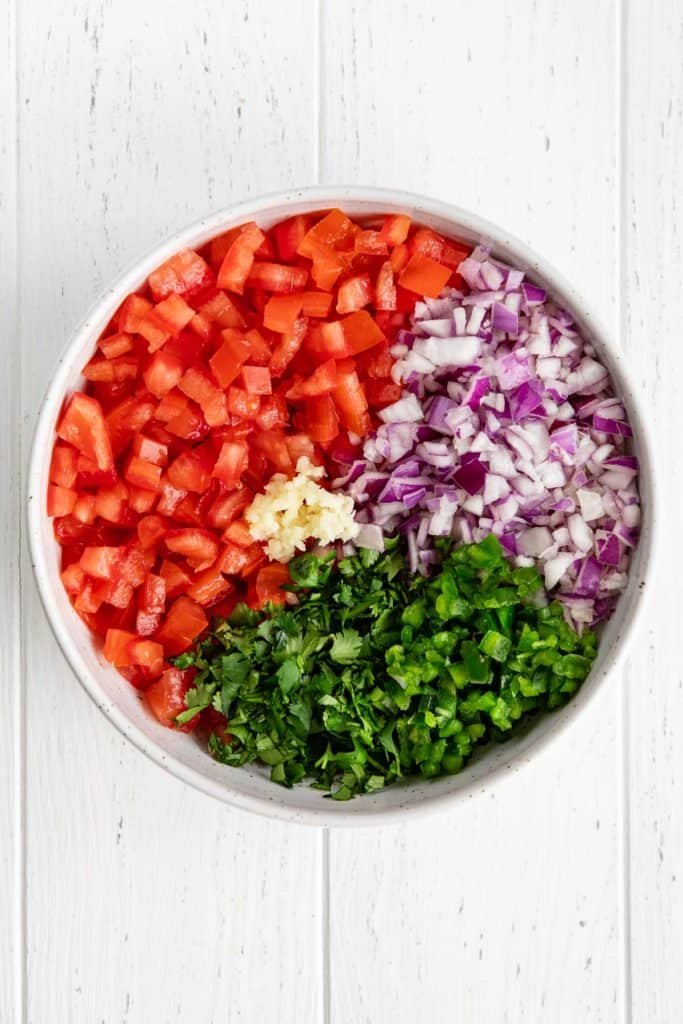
(376, 674)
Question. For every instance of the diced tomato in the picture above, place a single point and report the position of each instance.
(385, 290)
(272, 413)
(184, 622)
(288, 347)
(208, 587)
(148, 655)
(288, 236)
(184, 273)
(175, 579)
(281, 312)
(151, 603)
(256, 380)
(424, 276)
(115, 345)
(154, 329)
(189, 424)
(140, 499)
(170, 406)
(233, 559)
(395, 229)
(163, 374)
(219, 246)
(352, 335)
(333, 229)
(232, 462)
(132, 311)
(166, 697)
(399, 257)
(238, 533)
(90, 475)
(63, 465)
(60, 500)
(82, 425)
(229, 359)
(102, 563)
(321, 419)
(228, 506)
(150, 530)
(327, 265)
(191, 471)
(259, 348)
(273, 446)
(125, 419)
(73, 579)
(149, 449)
(117, 647)
(187, 347)
(277, 277)
(242, 404)
(239, 258)
(428, 243)
(142, 474)
(350, 400)
(322, 381)
(197, 385)
(111, 370)
(220, 311)
(317, 304)
(269, 582)
(370, 243)
(111, 503)
(380, 393)
(300, 445)
(215, 409)
(213, 721)
(354, 293)
(84, 509)
(199, 547)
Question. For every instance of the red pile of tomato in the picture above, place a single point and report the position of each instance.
(227, 366)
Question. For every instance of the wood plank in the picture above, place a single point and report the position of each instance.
(653, 270)
(146, 900)
(11, 795)
(490, 913)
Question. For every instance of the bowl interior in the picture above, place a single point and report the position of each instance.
(250, 787)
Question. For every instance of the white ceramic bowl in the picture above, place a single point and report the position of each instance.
(249, 787)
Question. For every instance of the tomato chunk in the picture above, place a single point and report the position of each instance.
(354, 293)
(239, 259)
(281, 312)
(269, 582)
(256, 380)
(321, 382)
(277, 277)
(166, 698)
(185, 272)
(183, 624)
(82, 425)
(199, 547)
(395, 229)
(424, 276)
(232, 462)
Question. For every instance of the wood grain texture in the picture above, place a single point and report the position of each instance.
(653, 271)
(11, 795)
(147, 901)
(510, 908)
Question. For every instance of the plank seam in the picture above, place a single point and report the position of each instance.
(19, 840)
(622, 329)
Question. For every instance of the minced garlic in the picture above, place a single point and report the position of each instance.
(291, 512)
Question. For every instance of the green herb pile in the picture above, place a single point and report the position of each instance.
(377, 674)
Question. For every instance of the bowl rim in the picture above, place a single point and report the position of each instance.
(327, 196)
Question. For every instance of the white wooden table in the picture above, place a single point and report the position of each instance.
(126, 897)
